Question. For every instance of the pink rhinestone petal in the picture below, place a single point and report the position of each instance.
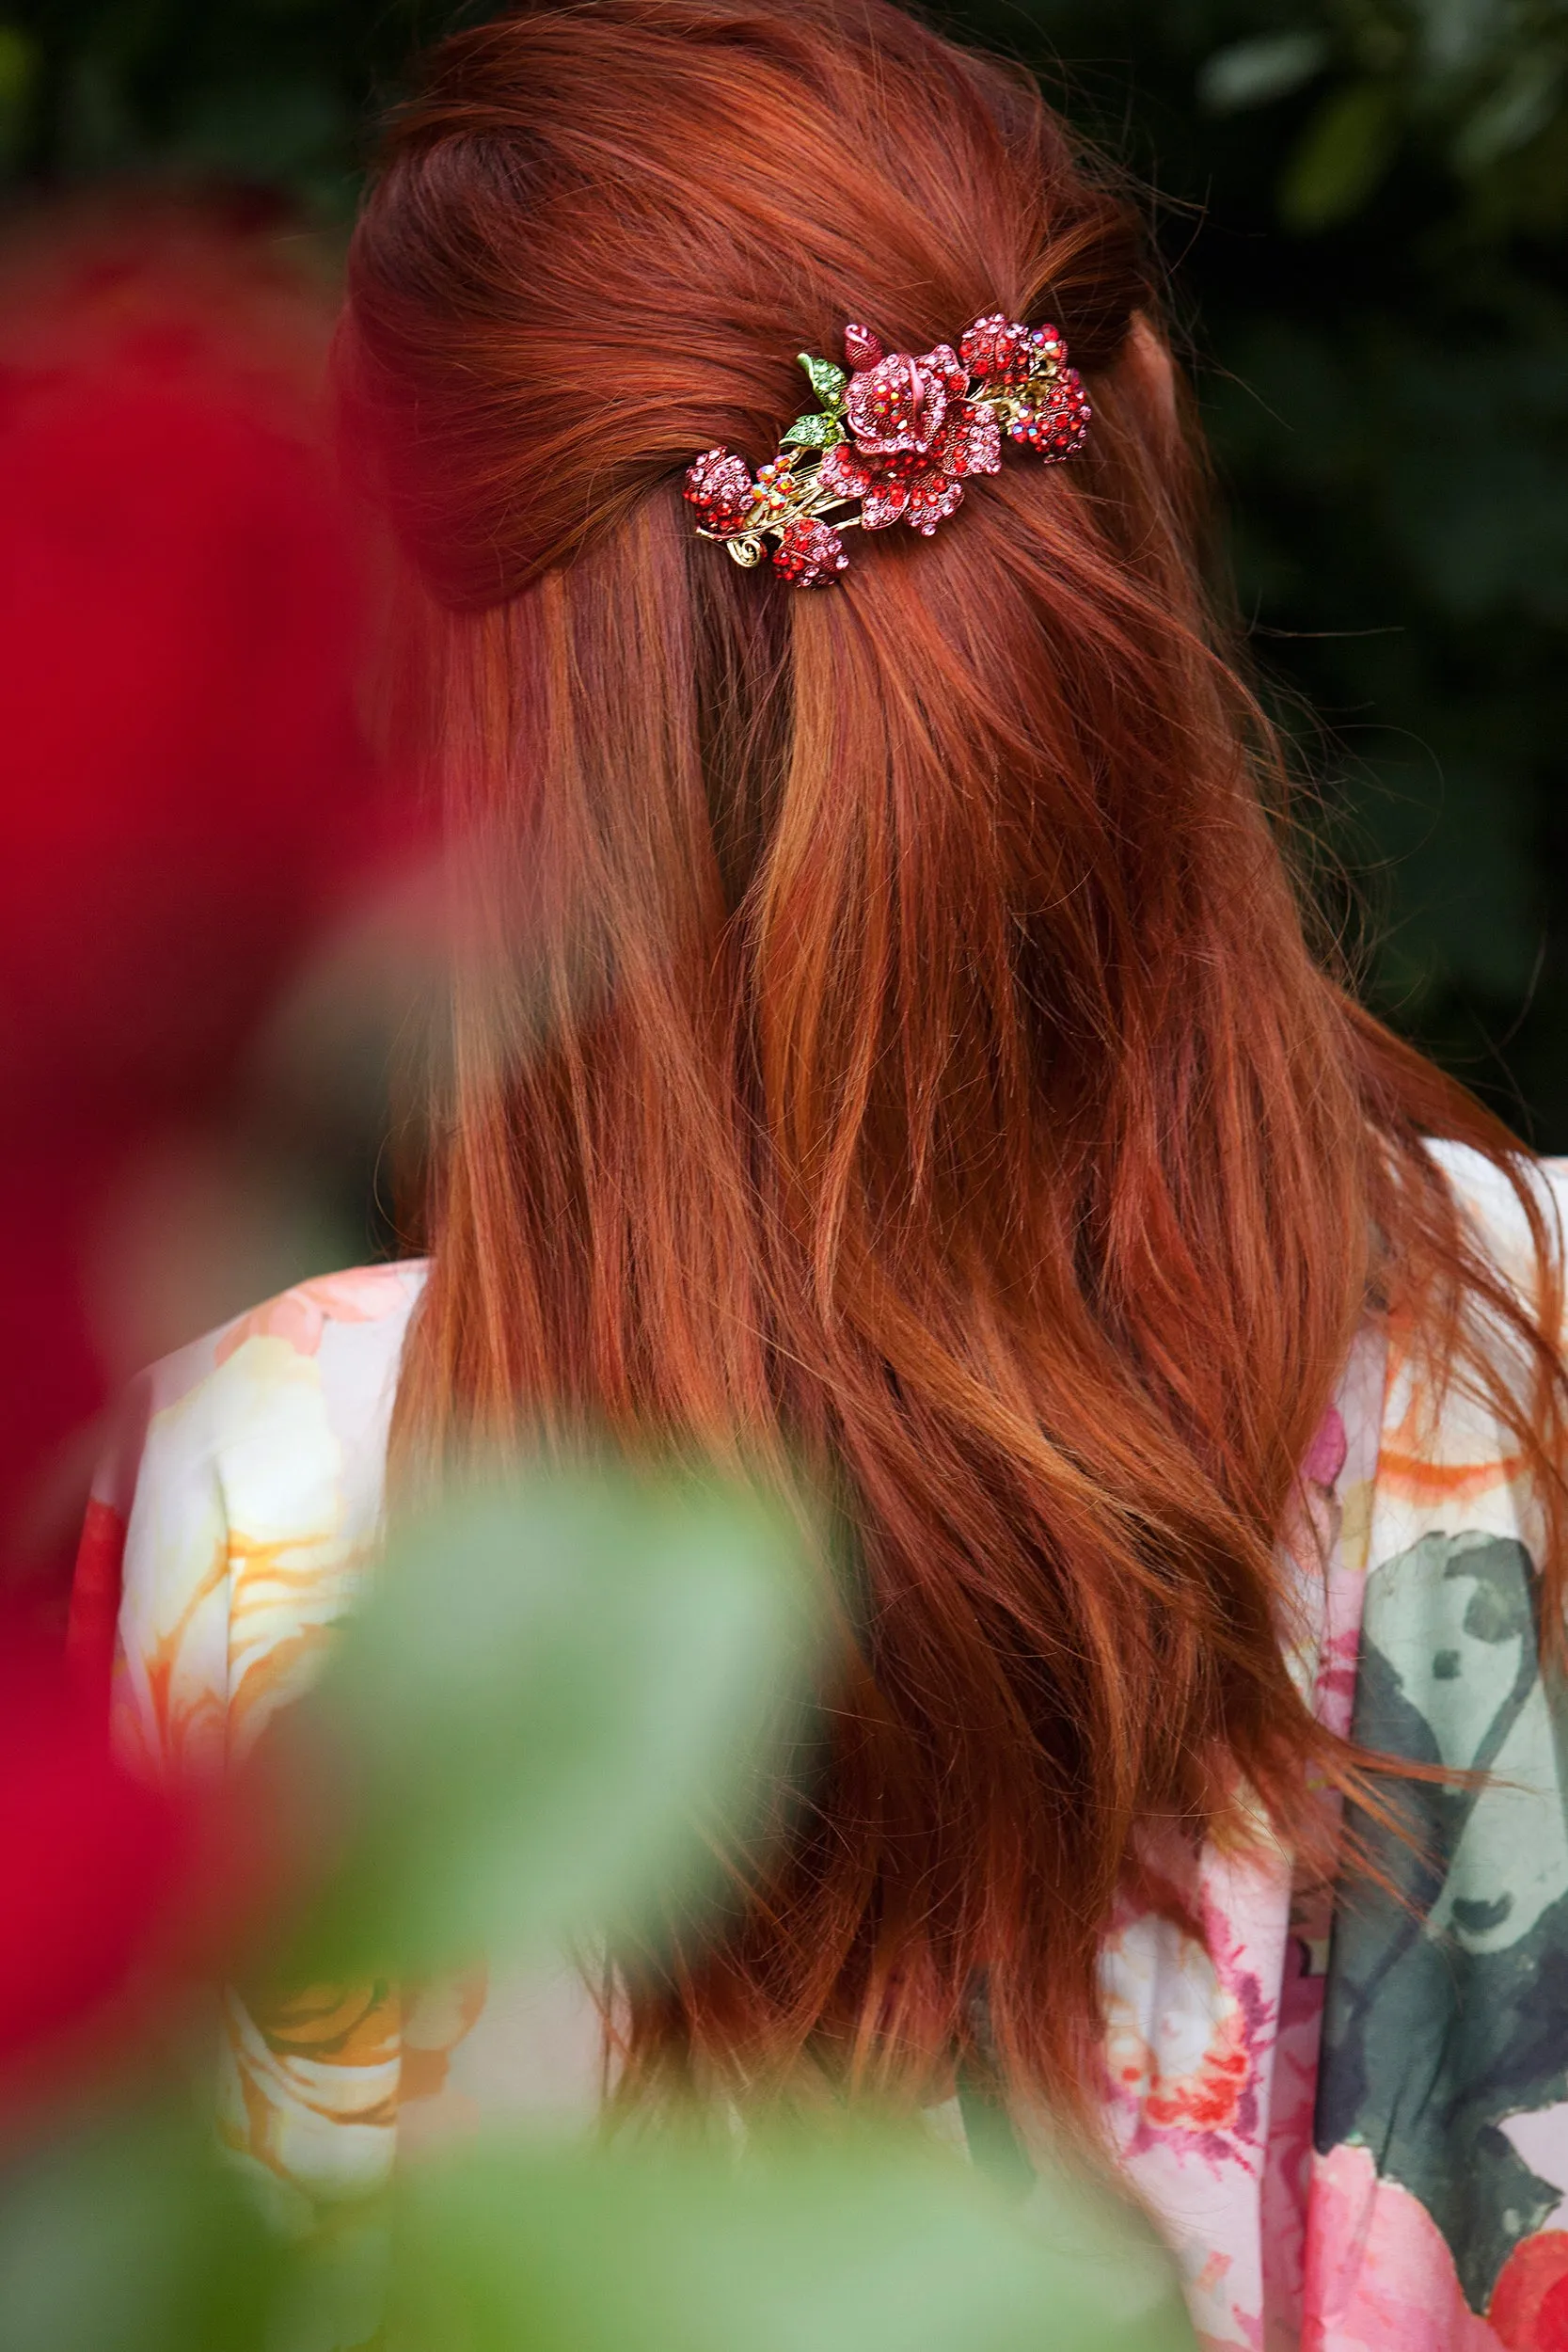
(843, 475)
(942, 363)
(977, 343)
(932, 498)
(971, 442)
(983, 445)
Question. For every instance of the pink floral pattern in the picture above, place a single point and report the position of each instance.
(301, 1315)
(1379, 2276)
(924, 487)
(914, 437)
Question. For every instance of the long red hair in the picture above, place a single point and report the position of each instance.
(893, 1042)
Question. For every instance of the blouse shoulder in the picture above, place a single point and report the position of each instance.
(1440, 2126)
(1495, 1209)
(234, 1509)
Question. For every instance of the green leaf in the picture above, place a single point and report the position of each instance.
(1250, 72)
(552, 1685)
(827, 381)
(819, 2242)
(1456, 36)
(1518, 111)
(1343, 155)
(131, 2233)
(818, 432)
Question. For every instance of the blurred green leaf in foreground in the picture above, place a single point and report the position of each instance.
(838, 2240)
(125, 2232)
(1471, 83)
(867, 2238)
(560, 1695)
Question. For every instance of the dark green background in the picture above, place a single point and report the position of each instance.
(1364, 205)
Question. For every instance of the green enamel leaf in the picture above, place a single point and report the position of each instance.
(819, 432)
(827, 381)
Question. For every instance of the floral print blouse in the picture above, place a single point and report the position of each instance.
(1350, 2121)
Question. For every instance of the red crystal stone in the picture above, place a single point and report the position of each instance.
(810, 553)
(945, 364)
(917, 490)
(720, 488)
(998, 349)
(862, 348)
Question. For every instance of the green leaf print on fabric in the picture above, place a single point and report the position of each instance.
(1447, 2008)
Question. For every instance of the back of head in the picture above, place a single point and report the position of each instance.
(604, 233)
(891, 1038)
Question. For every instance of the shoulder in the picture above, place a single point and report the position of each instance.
(1492, 1201)
(242, 1490)
(1450, 1463)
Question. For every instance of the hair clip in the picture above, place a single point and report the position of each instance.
(896, 435)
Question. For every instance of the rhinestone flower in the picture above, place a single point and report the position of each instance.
(720, 488)
(1056, 424)
(899, 405)
(998, 351)
(810, 554)
(925, 488)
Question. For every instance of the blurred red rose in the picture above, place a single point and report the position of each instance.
(188, 793)
(93, 1861)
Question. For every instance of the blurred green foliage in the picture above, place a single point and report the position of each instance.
(119, 2233)
(528, 1736)
(273, 93)
(1366, 203)
(837, 2238)
(130, 2232)
(603, 1662)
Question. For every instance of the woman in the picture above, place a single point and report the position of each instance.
(889, 1040)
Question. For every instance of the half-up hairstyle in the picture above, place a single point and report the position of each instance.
(888, 1039)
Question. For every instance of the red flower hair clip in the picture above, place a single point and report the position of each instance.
(896, 435)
